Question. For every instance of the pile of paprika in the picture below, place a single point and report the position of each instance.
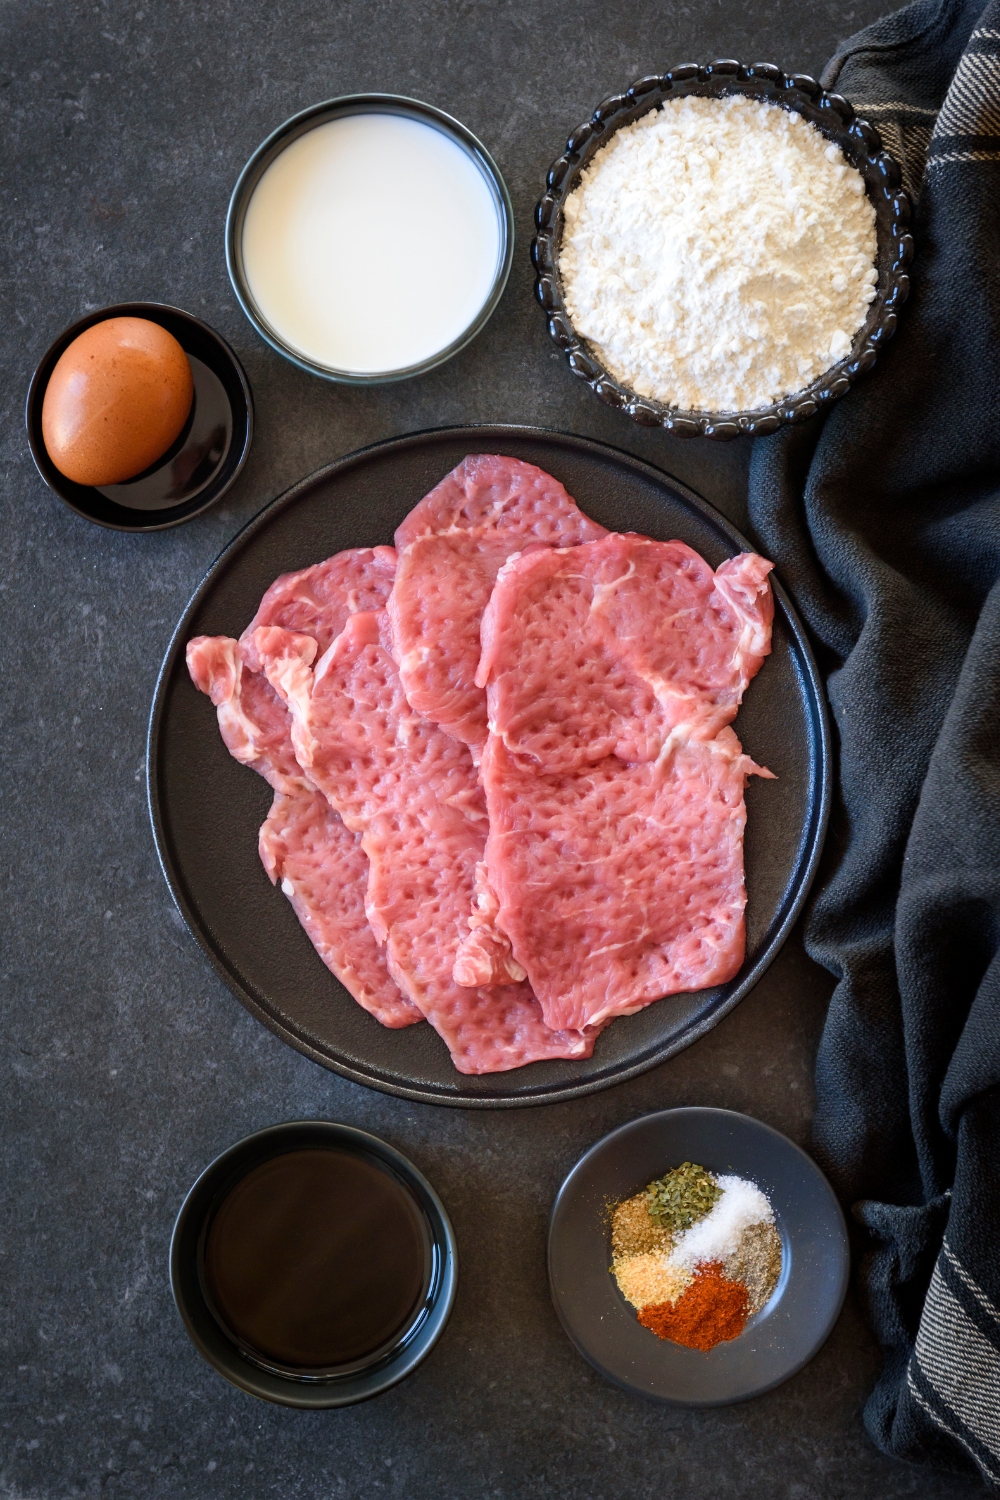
(710, 1311)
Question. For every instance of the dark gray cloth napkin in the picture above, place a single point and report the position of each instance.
(884, 520)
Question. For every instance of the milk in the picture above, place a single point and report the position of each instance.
(371, 243)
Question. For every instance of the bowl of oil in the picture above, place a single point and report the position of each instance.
(313, 1265)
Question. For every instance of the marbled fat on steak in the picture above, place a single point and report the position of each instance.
(451, 547)
(411, 791)
(303, 843)
(613, 782)
(252, 719)
(317, 600)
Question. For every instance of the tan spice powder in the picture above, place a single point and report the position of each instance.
(756, 1262)
(640, 1249)
(643, 1279)
(633, 1231)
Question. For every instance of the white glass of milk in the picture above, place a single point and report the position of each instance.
(370, 238)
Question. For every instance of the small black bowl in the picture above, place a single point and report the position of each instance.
(780, 1339)
(198, 468)
(362, 1379)
(835, 118)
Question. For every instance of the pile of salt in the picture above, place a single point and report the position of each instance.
(717, 1236)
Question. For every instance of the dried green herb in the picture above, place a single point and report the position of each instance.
(683, 1196)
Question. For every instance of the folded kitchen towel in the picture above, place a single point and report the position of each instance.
(884, 519)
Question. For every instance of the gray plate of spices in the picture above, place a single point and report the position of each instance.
(809, 1274)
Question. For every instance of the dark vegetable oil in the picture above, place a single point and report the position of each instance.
(316, 1260)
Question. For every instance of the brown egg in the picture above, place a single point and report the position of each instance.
(116, 400)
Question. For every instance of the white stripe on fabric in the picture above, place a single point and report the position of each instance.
(898, 107)
(909, 145)
(970, 1283)
(960, 1364)
(972, 104)
(939, 1421)
(990, 36)
(942, 158)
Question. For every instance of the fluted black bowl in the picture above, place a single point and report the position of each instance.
(832, 115)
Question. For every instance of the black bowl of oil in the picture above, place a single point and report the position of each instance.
(313, 1265)
(198, 468)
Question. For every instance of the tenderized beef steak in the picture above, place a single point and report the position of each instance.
(320, 864)
(317, 600)
(451, 547)
(253, 721)
(323, 871)
(613, 782)
(411, 791)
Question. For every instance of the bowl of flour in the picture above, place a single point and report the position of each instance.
(722, 249)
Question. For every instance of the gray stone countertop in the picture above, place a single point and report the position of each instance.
(126, 1064)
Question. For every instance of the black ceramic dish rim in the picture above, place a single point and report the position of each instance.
(766, 82)
(36, 394)
(298, 125)
(739, 1121)
(813, 839)
(335, 1391)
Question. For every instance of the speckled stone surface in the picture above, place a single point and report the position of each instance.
(126, 1064)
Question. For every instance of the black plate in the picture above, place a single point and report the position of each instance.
(198, 468)
(224, 1354)
(206, 809)
(782, 1337)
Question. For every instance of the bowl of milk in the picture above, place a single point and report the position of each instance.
(369, 238)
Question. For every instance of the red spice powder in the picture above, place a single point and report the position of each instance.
(710, 1311)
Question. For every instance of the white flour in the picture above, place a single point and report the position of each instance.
(718, 254)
